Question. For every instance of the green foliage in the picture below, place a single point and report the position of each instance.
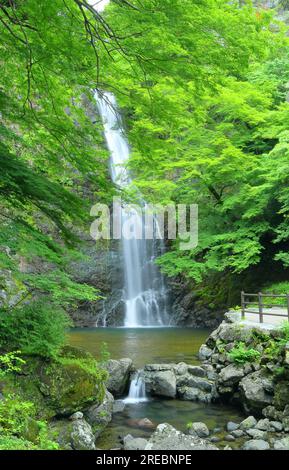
(280, 288)
(207, 120)
(14, 415)
(241, 354)
(37, 328)
(10, 362)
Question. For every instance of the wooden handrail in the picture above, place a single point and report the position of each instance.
(261, 305)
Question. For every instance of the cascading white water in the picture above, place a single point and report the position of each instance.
(144, 287)
(137, 391)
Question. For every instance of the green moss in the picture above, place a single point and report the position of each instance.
(59, 386)
(281, 397)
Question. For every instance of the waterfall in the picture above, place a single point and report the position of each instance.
(144, 288)
(137, 391)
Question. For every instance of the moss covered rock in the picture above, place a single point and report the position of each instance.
(61, 386)
(281, 396)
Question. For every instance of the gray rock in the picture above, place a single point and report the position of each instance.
(181, 369)
(282, 444)
(271, 413)
(257, 434)
(238, 433)
(194, 394)
(76, 416)
(232, 426)
(230, 438)
(276, 426)
(263, 425)
(205, 353)
(161, 383)
(257, 391)
(82, 437)
(100, 416)
(119, 374)
(248, 423)
(131, 443)
(256, 445)
(159, 367)
(199, 430)
(215, 439)
(231, 375)
(197, 371)
(189, 380)
(168, 438)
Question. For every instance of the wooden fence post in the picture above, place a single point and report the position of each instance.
(244, 306)
(261, 313)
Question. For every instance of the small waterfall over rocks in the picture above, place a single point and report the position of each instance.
(137, 391)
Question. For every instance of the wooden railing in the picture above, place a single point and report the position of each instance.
(261, 305)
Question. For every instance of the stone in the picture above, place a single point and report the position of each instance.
(231, 375)
(199, 429)
(230, 438)
(181, 369)
(166, 437)
(276, 426)
(197, 371)
(131, 443)
(76, 416)
(256, 445)
(285, 423)
(232, 426)
(205, 353)
(146, 424)
(194, 394)
(271, 413)
(82, 437)
(215, 439)
(281, 395)
(189, 380)
(282, 444)
(119, 375)
(257, 434)
(256, 391)
(99, 416)
(161, 383)
(248, 423)
(263, 425)
(238, 433)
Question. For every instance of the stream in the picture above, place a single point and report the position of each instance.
(153, 345)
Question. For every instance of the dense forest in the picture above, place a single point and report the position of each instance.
(203, 90)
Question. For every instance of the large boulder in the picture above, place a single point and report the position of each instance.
(73, 434)
(82, 437)
(231, 375)
(161, 381)
(257, 391)
(119, 375)
(99, 416)
(132, 443)
(256, 444)
(168, 438)
(281, 396)
(60, 387)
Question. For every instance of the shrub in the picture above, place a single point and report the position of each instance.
(241, 355)
(35, 328)
(14, 414)
(10, 362)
